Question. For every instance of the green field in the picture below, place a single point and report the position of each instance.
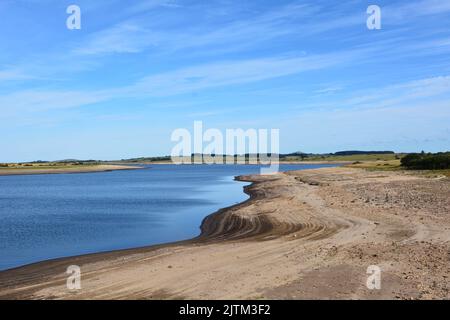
(354, 157)
(377, 165)
(47, 165)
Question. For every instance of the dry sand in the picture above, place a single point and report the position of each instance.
(72, 169)
(304, 234)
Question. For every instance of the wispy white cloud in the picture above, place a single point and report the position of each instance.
(137, 35)
(131, 37)
(13, 75)
(146, 5)
(237, 72)
(177, 82)
(328, 90)
(122, 38)
(230, 35)
(400, 93)
(248, 30)
(403, 13)
(43, 100)
(127, 37)
(224, 74)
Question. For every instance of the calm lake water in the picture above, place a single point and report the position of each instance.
(50, 216)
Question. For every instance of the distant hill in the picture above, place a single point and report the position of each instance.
(75, 160)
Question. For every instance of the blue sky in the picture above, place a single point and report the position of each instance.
(137, 70)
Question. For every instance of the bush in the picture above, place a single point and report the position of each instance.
(426, 161)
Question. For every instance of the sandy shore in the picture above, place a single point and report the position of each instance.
(72, 169)
(302, 234)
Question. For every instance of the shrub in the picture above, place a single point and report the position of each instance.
(426, 161)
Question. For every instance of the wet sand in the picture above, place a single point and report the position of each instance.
(302, 235)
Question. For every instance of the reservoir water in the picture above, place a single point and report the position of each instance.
(57, 215)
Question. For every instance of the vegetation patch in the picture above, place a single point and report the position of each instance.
(426, 161)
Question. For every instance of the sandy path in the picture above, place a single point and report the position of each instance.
(303, 234)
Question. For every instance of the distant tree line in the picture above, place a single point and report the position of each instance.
(354, 152)
(426, 161)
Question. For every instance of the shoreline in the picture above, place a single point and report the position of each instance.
(71, 170)
(204, 235)
(207, 227)
(289, 216)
